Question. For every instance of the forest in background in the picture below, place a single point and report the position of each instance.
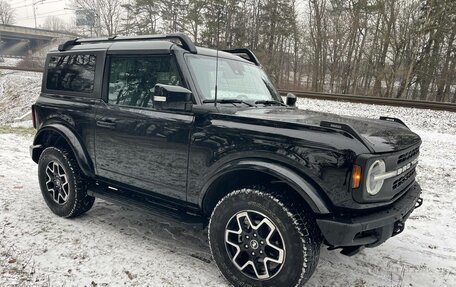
(384, 48)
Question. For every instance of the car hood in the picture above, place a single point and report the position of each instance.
(381, 135)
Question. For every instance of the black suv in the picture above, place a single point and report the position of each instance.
(202, 136)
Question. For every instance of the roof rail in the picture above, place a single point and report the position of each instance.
(186, 42)
(245, 54)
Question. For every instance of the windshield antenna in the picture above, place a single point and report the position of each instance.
(217, 56)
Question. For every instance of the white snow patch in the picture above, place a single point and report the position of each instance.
(10, 61)
(18, 91)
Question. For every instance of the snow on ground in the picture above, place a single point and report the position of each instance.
(18, 91)
(113, 245)
(9, 61)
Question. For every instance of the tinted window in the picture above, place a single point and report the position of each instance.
(74, 73)
(132, 79)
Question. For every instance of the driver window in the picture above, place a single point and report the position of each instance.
(132, 78)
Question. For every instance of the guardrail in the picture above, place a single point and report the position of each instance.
(334, 97)
(373, 100)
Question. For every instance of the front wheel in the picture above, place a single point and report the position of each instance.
(258, 238)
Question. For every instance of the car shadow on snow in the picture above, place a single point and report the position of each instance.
(145, 228)
(141, 225)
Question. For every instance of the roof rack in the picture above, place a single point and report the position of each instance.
(186, 42)
(244, 53)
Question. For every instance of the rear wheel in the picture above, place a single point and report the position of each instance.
(258, 238)
(62, 183)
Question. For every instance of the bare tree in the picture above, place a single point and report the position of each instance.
(6, 13)
(55, 23)
(387, 48)
(107, 14)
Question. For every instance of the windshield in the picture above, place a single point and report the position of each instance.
(236, 80)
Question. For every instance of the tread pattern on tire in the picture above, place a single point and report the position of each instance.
(310, 234)
(82, 202)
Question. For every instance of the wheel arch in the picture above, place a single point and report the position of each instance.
(59, 135)
(252, 172)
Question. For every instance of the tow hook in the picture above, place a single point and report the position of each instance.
(398, 228)
(419, 202)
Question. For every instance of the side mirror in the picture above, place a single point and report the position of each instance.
(291, 100)
(167, 97)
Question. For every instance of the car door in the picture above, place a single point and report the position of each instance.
(136, 144)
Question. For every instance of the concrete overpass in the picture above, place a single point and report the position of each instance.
(23, 41)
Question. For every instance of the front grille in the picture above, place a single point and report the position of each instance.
(398, 182)
(408, 155)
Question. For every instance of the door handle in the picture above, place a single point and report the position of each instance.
(106, 124)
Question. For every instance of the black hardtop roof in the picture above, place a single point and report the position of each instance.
(161, 43)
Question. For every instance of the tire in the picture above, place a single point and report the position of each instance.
(296, 234)
(62, 183)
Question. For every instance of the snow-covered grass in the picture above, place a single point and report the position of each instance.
(10, 61)
(113, 245)
(18, 91)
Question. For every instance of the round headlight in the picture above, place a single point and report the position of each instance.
(377, 168)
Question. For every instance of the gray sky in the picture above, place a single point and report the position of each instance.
(44, 8)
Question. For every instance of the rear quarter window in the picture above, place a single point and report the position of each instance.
(73, 73)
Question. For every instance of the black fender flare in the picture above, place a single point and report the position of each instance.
(305, 189)
(80, 153)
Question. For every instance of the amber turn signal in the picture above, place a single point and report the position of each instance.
(356, 176)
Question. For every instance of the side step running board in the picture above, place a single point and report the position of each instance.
(146, 203)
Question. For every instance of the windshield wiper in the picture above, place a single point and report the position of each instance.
(270, 102)
(229, 101)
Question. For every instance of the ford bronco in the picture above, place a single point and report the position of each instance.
(203, 137)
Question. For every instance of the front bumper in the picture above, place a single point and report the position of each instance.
(372, 229)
